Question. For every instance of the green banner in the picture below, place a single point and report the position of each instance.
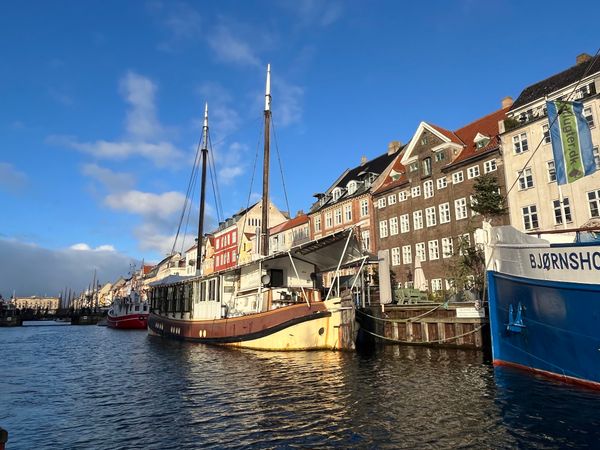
(569, 135)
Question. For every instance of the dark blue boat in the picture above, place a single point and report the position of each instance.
(544, 302)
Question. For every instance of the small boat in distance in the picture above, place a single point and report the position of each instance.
(544, 302)
(128, 313)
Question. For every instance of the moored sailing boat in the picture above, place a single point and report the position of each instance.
(273, 302)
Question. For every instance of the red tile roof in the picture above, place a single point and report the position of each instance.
(292, 223)
(395, 177)
(488, 126)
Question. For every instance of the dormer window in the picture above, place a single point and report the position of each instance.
(337, 193)
(369, 179)
(413, 167)
(426, 167)
(481, 140)
(352, 187)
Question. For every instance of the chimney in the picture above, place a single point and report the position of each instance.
(363, 160)
(507, 102)
(299, 213)
(393, 147)
(583, 57)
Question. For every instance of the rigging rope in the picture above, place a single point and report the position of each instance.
(287, 204)
(215, 182)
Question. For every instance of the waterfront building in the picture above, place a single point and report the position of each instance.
(422, 201)
(534, 198)
(290, 233)
(51, 304)
(347, 202)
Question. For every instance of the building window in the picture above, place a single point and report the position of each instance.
(338, 216)
(530, 217)
(457, 177)
(525, 179)
(383, 228)
(395, 256)
(546, 133)
(317, 223)
(489, 166)
(337, 193)
(473, 172)
(596, 157)
(442, 183)
(587, 114)
(416, 191)
(430, 216)
(436, 284)
(352, 187)
(417, 220)
(594, 202)
(428, 189)
(420, 251)
(447, 248)
(473, 202)
(404, 223)
(426, 167)
(558, 214)
(393, 226)
(366, 240)
(460, 208)
(364, 207)
(413, 167)
(520, 143)
(328, 219)
(406, 254)
(444, 212)
(348, 213)
(440, 156)
(381, 203)
(402, 196)
(551, 171)
(392, 199)
(434, 250)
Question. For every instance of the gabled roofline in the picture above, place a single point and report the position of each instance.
(413, 142)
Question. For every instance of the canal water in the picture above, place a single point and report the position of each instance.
(90, 387)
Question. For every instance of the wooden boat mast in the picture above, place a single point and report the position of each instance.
(265, 196)
(202, 192)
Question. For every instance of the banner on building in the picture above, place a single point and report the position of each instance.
(571, 141)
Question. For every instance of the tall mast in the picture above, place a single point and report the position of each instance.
(202, 192)
(265, 197)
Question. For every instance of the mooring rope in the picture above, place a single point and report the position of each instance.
(410, 319)
(438, 341)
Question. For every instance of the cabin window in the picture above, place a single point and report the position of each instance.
(276, 278)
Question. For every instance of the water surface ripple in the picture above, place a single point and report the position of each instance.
(64, 387)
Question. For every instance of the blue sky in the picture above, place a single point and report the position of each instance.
(102, 105)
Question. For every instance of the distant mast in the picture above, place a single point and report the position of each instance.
(202, 192)
(265, 197)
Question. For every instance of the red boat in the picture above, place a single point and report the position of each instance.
(128, 313)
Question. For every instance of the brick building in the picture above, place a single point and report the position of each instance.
(421, 203)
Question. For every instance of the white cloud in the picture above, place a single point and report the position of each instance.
(231, 163)
(83, 247)
(315, 12)
(289, 101)
(231, 49)
(146, 203)
(138, 91)
(11, 179)
(144, 130)
(223, 118)
(113, 181)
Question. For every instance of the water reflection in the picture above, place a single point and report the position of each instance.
(92, 387)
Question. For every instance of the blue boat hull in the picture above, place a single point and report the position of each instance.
(546, 326)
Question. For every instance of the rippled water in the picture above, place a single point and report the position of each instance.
(91, 387)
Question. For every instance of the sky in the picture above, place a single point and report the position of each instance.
(102, 104)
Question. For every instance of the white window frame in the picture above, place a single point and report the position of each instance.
(420, 251)
(559, 209)
(406, 254)
(383, 229)
(526, 179)
(490, 166)
(473, 172)
(348, 213)
(441, 182)
(415, 191)
(329, 219)
(528, 213)
(444, 210)
(317, 223)
(593, 198)
(402, 196)
(434, 249)
(393, 226)
(520, 144)
(458, 177)
(381, 203)
(391, 199)
(364, 207)
(396, 259)
(418, 220)
(460, 208)
(447, 247)
(428, 191)
(430, 216)
(404, 223)
(551, 171)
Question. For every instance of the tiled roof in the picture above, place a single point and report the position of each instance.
(556, 82)
(376, 166)
(488, 126)
(395, 177)
(288, 224)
